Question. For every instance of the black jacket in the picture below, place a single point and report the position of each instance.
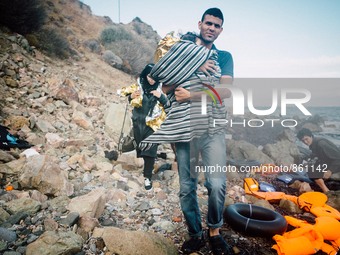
(140, 129)
(327, 153)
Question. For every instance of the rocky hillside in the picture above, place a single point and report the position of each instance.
(85, 68)
(70, 111)
(64, 196)
(131, 45)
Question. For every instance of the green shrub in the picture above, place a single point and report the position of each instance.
(22, 16)
(114, 34)
(112, 59)
(93, 45)
(134, 53)
(131, 44)
(53, 43)
(32, 40)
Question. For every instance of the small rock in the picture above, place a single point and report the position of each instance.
(7, 235)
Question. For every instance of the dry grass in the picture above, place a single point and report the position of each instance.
(79, 20)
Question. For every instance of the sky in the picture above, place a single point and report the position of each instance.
(268, 39)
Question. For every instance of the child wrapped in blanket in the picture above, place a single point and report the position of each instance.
(213, 77)
(179, 67)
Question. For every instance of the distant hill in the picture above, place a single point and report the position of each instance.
(69, 45)
(70, 29)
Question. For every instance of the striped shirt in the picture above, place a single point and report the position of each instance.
(185, 120)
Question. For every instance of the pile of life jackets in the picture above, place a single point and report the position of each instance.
(306, 238)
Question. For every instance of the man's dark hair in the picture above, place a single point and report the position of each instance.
(304, 132)
(216, 12)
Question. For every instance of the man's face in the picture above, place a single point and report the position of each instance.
(307, 140)
(210, 28)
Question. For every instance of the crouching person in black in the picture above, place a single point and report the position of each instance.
(328, 157)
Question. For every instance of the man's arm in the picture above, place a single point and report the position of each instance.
(227, 69)
(226, 79)
(183, 95)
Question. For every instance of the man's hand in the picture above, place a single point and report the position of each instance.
(182, 95)
(168, 88)
(208, 67)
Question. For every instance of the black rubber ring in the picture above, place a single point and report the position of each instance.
(255, 220)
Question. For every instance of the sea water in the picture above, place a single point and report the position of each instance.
(330, 115)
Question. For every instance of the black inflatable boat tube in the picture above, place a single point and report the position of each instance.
(255, 220)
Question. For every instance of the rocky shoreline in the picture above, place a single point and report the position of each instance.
(69, 198)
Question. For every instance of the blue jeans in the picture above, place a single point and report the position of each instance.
(213, 153)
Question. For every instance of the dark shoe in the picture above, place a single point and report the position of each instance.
(218, 245)
(111, 155)
(193, 244)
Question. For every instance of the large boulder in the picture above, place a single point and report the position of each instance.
(91, 204)
(242, 150)
(41, 172)
(283, 152)
(56, 242)
(120, 241)
(114, 117)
